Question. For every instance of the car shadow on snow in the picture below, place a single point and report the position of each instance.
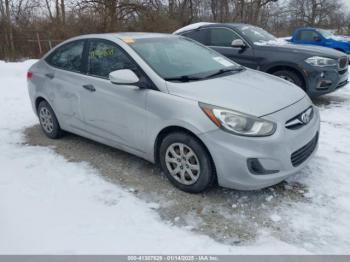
(331, 100)
(229, 216)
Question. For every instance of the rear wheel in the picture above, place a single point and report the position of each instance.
(48, 121)
(186, 163)
(290, 76)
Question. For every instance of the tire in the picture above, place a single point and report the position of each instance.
(48, 121)
(192, 171)
(290, 76)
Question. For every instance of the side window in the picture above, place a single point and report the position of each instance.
(198, 35)
(222, 37)
(68, 56)
(106, 57)
(309, 36)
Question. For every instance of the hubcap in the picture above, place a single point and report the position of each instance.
(182, 163)
(289, 79)
(46, 120)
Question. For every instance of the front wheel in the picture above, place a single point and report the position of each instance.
(186, 163)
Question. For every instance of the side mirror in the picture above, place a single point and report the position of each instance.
(123, 77)
(238, 43)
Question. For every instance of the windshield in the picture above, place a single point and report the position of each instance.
(256, 34)
(175, 57)
(326, 34)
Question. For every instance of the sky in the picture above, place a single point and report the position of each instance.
(347, 4)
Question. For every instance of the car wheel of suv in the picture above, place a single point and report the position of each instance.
(289, 76)
(48, 121)
(186, 163)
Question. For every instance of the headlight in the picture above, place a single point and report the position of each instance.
(321, 61)
(238, 123)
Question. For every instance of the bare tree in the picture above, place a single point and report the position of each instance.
(314, 12)
(59, 19)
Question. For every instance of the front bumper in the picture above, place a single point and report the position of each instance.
(231, 153)
(323, 80)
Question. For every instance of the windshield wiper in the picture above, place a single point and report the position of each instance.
(225, 70)
(188, 78)
(184, 78)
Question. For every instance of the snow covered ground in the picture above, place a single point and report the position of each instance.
(49, 205)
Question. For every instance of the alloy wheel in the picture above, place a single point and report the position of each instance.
(182, 163)
(46, 120)
(289, 79)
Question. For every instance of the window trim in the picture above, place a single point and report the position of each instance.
(48, 58)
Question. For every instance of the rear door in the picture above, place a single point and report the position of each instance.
(63, 82)
(111, 111)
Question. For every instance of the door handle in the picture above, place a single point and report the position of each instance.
(50, 75)
(90, 88)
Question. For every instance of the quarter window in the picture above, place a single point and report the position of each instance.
(222, 37)
(68, 56)
(106, 57)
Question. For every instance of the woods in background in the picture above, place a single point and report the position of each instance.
(28, 28)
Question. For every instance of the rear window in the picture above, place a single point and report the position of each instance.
(68, 57)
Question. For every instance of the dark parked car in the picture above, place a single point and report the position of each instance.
(318, 70)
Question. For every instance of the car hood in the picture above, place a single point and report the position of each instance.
(308, 50)
(251, 92)
(339, 38)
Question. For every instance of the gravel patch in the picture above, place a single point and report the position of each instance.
(229, 216)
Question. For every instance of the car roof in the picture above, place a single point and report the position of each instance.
(141, 35)
(124, 35)
(198, 25)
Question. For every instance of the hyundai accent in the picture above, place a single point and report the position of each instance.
(170, 100)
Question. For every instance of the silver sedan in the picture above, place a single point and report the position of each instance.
(203, 118)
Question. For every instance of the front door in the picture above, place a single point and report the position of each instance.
(309, 37)
(115, 112)
(220, 39)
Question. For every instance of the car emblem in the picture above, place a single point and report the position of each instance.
(306, 116)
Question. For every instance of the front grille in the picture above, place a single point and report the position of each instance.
(299, 156)
(297, 121)
(343, 63)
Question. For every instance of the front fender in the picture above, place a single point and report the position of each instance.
(294, 66)
(167, 110)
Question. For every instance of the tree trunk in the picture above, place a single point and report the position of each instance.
(9, 28)
(57, 6)
(63, 12)
(49, 10)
